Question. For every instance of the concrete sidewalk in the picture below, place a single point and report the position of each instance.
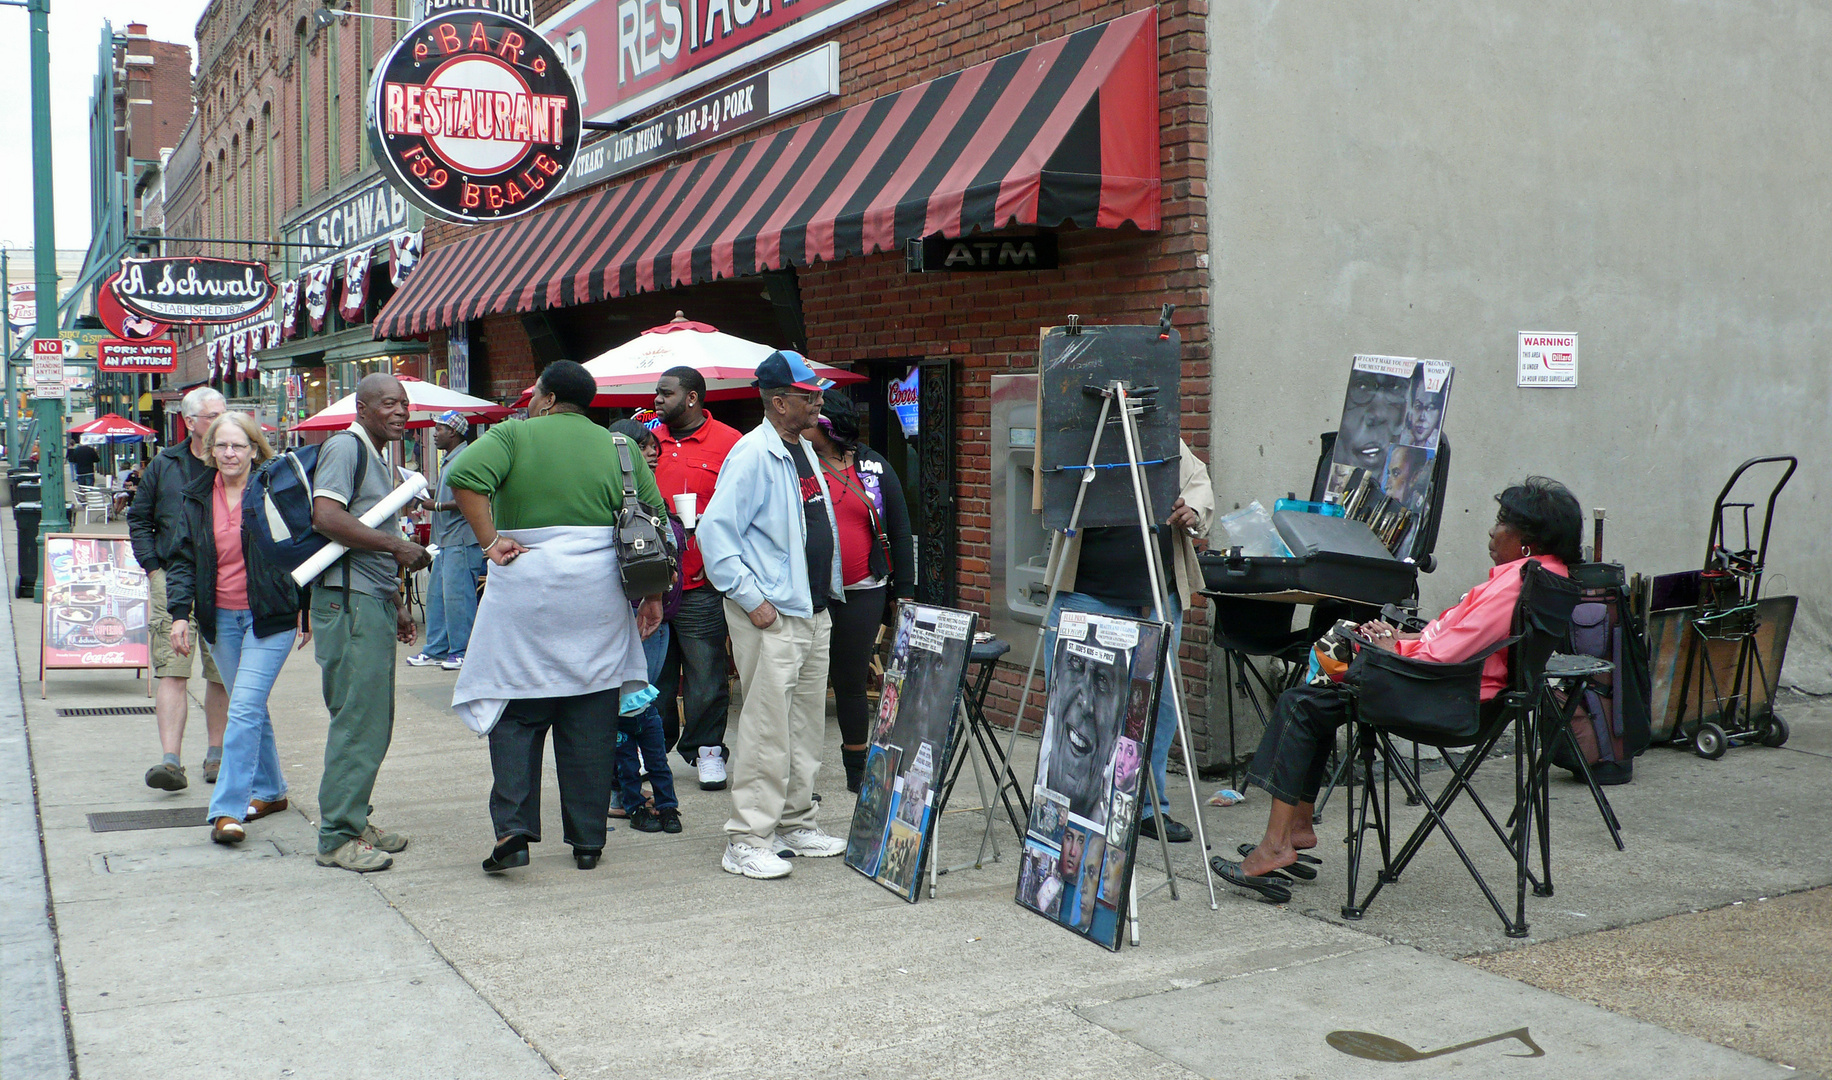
(184, 958)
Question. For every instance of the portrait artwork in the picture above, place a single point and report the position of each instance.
(914, 740)
(1103, 680)
(1387, 445)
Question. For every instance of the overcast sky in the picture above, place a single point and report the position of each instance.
(76, 34)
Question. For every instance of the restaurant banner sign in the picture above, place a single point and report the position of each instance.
(192, 289)
(473, 117)
(791, 85)
(96, 611)
(630, 55)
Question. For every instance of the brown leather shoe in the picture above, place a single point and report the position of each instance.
(258, 809)
(227, 830)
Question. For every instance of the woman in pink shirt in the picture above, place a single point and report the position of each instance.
(1538, 520)
(247, 608)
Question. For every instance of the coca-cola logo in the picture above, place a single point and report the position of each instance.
(103, 658)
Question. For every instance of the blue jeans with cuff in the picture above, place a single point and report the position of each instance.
(251, 761)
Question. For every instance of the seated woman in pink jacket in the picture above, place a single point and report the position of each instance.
(1538, 520)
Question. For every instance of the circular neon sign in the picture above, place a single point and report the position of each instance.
(473, 117)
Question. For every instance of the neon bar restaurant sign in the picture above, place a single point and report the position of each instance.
(473, 117)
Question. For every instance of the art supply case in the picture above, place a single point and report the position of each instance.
(1331, 556)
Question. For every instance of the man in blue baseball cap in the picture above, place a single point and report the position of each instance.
(771, 546)
(451, 593)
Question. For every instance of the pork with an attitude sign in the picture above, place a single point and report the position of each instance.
(473, 117)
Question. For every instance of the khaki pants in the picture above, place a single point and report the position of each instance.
(783, 671)
(167, 664)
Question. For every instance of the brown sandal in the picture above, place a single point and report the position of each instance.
(258, 809)
(227, 830)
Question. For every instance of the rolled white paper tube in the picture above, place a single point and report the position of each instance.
(309, 570)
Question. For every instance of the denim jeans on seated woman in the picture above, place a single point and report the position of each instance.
(251, 761)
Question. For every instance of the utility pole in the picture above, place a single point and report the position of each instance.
(12, 394)
(50, 411)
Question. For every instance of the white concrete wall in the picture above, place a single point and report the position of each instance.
(1427, 179)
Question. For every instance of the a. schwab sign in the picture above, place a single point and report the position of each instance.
(629, 55)
(358, 219)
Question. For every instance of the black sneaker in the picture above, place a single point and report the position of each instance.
(671, 820)
(643, 819)
(1175, 832)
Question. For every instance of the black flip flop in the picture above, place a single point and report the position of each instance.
(1304, 868)
(1303, 856)
(1270, 891)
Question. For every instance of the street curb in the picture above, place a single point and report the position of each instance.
(35, 1036)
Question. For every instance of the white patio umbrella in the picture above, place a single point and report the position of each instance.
(425, 401)
(626, 375)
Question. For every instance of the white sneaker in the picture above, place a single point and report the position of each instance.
(807, 843)
(452, 663)
(753, 862)
(423, 660)
(712, 768)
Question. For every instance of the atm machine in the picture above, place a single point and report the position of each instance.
(1020, 543)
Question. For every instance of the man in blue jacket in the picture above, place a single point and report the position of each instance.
(772, 548)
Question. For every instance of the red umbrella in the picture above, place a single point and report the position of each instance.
(113, 426)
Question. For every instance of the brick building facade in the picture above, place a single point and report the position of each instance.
(870, 312)
(278, 138)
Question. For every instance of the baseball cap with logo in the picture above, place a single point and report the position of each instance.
(787, 368)
(453, 419)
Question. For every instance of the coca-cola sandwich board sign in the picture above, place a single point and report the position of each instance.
(473, 117)
(192, 289)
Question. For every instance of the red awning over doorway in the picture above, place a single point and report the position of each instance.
(1063, 132)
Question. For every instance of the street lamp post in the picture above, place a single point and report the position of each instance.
(50, 411)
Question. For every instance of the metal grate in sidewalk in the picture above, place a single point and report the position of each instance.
(112, 710)
(171, 817)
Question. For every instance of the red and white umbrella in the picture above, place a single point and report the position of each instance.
(425, 401)
(626, 375)
(113, 426)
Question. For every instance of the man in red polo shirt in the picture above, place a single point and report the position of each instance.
(694, 446)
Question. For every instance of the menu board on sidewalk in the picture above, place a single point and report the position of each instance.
(96, 606)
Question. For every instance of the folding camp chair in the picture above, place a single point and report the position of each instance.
(1438, 705)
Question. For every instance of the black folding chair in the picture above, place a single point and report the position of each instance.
(1439, 705)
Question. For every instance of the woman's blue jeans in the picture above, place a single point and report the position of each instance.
(251, 761)
(1166, 731)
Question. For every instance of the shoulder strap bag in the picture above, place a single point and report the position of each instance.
(644, 560)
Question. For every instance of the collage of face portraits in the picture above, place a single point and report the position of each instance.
(1102, 694)
(1391, 420)
(917, 712)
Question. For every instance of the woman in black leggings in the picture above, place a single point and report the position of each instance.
(877, 556)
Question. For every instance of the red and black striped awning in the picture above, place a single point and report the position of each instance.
(1065, 131)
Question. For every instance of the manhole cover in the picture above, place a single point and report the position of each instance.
(171, 817)
(113, 710)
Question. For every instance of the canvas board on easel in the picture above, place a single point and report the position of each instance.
(1099, 714)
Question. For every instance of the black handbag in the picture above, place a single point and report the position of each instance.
(645, 559)
(1417, 699)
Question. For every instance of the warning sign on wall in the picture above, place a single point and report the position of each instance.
(1548, 359)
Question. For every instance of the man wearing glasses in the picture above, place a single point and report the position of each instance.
(771, 546)
(155, 522)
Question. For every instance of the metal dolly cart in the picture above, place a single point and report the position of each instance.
(1729, 587)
